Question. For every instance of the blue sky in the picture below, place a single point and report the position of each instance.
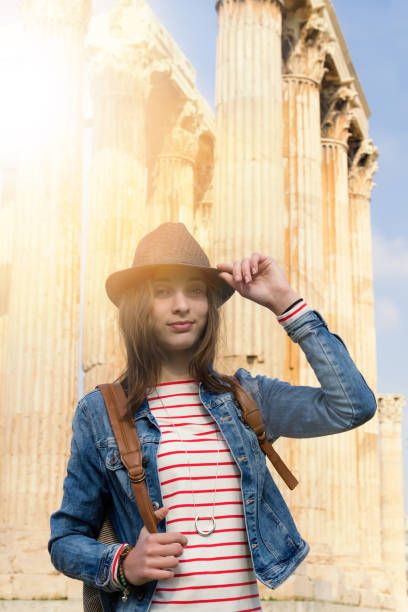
(375, 32)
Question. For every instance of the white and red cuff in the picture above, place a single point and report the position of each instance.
(296, 310)
(115, 565)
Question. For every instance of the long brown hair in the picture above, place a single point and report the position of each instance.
(144, 353)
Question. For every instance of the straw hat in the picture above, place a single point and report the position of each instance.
(169, 244)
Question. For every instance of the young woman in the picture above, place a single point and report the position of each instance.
(222, 522)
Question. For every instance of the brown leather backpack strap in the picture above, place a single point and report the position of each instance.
(253, 417)
(128, 443)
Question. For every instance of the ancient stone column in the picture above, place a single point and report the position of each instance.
(363, 347)
(116, 218)
(171, 166)
(305, 43)
(249, 209)
(337, 104)
(392, 499)
(363, 167)
(340, 451)
(40, 372)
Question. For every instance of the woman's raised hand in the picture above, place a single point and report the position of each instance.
(260, 279)
(154, 555)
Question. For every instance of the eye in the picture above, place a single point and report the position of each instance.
(160, 291)
(198, 290)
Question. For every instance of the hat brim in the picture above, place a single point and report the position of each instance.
(118, 282)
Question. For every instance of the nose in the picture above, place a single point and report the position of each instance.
(180, 302)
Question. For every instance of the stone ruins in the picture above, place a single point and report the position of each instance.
(285, 167)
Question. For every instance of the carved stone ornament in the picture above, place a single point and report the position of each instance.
(363, 167)
(220, 3)
(64, 12)
(119, 69)
(204, 169)
(337, 104)
(305, 43)
(390, 408)
(183, 138)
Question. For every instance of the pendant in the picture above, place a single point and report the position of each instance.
(201, 518)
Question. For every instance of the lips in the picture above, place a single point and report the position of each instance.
(182, 326)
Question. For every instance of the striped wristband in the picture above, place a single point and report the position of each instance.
(296, 310)
(115, 567)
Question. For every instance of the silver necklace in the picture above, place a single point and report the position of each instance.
(198, 517)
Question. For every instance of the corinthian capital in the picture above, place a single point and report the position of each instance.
(119, 70)
(337, 104)
(63, 12)
(363, 167)
(305, 43)
(390, 408)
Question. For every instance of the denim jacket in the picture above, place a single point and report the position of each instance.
(97, 481)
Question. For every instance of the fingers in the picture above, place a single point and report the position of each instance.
(161, 513)
(242, 270)
(156, 549)
(169, 537)
(159, 575)
(163, 562)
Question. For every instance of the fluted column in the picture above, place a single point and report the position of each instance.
(249, 210)
(40, 372)
(117, 216)
(343, 519)
(392, 499)
(337, 105)
(305, 44)
(363, 167)
(171, 168)
(204, 192)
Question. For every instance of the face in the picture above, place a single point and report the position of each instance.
(179, 294)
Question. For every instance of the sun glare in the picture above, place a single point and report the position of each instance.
(36, 93)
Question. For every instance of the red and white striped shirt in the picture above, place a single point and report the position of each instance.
(215, 570)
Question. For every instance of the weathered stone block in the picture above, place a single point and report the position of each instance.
(23, 561)
(389, 602)
(322, 589)
(39, 586)
(285, 590)
(74, 588)
(349, 596)
(303, 587)
(6, 586)
(5, 564)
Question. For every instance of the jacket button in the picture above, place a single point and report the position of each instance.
(145, 461)
(155, 505)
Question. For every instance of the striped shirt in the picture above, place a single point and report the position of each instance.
(215, 570)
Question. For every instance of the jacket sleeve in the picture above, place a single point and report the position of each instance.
(73, 546)
(342, 402)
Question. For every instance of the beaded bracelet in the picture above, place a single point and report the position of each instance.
(125, 586)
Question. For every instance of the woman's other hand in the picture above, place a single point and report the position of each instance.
(260, 279)
(155, 555)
